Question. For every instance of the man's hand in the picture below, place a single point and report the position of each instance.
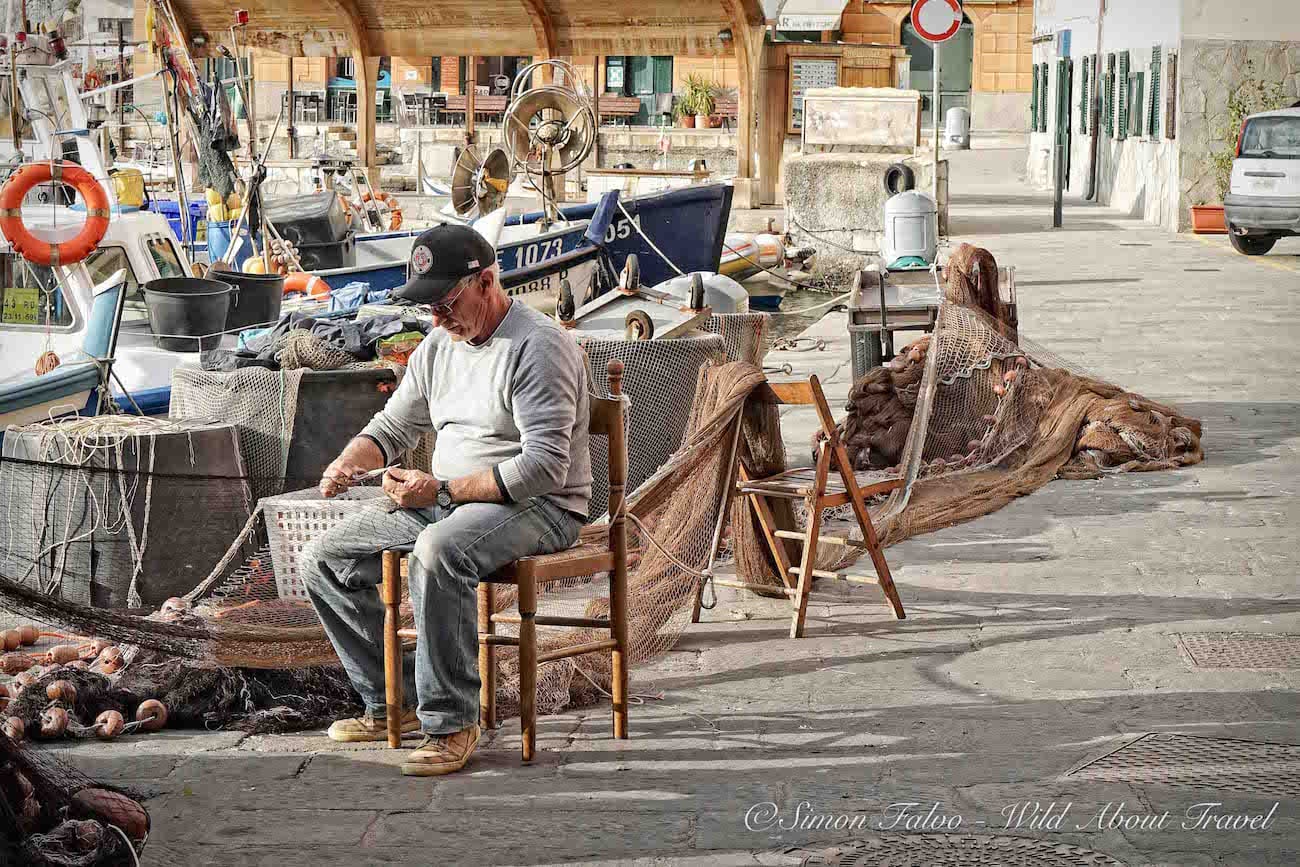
(411, 489)
(360, 455)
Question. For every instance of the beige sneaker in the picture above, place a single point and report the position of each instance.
(367, 728)
(442, 754)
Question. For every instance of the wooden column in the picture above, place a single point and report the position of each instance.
(471, 89)
(771, 135)
(367, 76)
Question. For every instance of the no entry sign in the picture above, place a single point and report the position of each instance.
(936, 20)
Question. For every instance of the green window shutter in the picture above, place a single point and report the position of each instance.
(1109, 108)
(1123, 106)
(1042, 99)
(1153, 112)
(1083, 98)
(1033, 103)
(1094, 113)
(1136, 108)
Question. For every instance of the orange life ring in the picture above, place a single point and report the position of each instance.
(92, 80)
(30, 247)
(394, 208)
(301, 281)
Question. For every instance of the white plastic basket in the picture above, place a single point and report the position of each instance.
(294, 519)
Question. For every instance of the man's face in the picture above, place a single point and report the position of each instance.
(463, 313)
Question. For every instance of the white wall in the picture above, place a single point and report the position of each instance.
(1271, 20)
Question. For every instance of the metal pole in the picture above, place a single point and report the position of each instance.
(934, 108)
(121, 97)
(1062, 103)
(471, 89)
(293, 130)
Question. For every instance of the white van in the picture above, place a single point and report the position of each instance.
(1263, 201)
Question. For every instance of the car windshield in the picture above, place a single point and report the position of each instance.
(1272, 138)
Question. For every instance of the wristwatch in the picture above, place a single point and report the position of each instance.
(444, 495)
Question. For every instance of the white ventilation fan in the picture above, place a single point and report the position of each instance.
(479, 184)
(550, 129)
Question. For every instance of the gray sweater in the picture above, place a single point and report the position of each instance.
(516, 405)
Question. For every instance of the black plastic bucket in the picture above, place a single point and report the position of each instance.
(258, 299)
(185, 310)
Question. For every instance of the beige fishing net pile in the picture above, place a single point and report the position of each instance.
(975, 418)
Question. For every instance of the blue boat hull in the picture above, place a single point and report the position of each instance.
(688, 224)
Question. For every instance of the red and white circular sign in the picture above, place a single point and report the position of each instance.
(936, 20)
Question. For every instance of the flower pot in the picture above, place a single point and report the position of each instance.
(701, 121)
(1208, 220)
(715, 121)
(687, 121)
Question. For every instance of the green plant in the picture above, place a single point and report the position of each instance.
(1253, 95)
(681, 107)
(700, 94)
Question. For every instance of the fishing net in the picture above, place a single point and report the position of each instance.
(52, 815)
(970, 417)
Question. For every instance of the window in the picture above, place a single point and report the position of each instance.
(1094, 112)
(1153, 105)
(102, 264)
(164, 257)
(29, 295)
(1272, 138)
(1171, 106)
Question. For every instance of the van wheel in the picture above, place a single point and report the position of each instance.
(1252, 245)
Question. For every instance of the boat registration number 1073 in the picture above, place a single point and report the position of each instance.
(540, 252)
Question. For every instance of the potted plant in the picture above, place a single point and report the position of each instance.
(1252, 96)
(699, 94)
(683, 112)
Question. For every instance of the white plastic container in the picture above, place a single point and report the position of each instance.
(911, 230)
(956, 127)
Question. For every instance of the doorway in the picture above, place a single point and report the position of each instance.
(956, 68)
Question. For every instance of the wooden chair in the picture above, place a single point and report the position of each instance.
(819, 490)
(527, 574)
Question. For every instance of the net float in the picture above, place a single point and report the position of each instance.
(107, 665)
(956, 459)
(61, 653)
(29, 634)
(1009, 376)
(989, 419)
(973, 445)
(14, 728)
(151, 714)
(54, 722)
(11, 639)
(109, 724)
(62, 690)
(23, 678)
(112, 808)
(999, 390)
(1021, 361)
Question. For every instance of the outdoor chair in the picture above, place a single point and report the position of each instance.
(829, 483)
(607, 556)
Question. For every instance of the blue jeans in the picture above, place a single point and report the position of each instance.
(452, 551)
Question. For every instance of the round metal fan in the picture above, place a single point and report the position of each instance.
(479, 185)
(549, 129)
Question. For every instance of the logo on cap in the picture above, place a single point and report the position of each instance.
(421, 259)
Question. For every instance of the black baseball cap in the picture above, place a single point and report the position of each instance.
(440, 258)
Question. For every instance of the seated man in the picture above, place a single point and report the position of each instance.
(504, 390)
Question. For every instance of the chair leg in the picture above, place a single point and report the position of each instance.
(618, 629)
(863, 517)
(528, 667)
(391, 591)
(487, 660)
(808, 560)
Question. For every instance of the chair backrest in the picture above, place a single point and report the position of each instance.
(605, 417)
(799, 394)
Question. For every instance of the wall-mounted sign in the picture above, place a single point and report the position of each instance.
(808, 22)
(805, 74)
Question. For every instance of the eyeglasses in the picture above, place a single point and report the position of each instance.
(443, 310)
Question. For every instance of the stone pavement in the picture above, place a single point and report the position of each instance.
(1037, 639)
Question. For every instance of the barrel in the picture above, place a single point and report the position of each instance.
(187, 314)
(258, 300)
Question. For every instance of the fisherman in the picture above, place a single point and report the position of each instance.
(504, 391)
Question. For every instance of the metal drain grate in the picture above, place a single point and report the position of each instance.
(954, 850)
(1241, 649)
(1252, 768)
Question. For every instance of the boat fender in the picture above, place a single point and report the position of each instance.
(899, 178)
(301, 281)
(30, 247)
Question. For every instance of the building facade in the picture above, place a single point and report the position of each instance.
(1164, 72)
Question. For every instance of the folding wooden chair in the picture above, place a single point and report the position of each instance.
(819, 490)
